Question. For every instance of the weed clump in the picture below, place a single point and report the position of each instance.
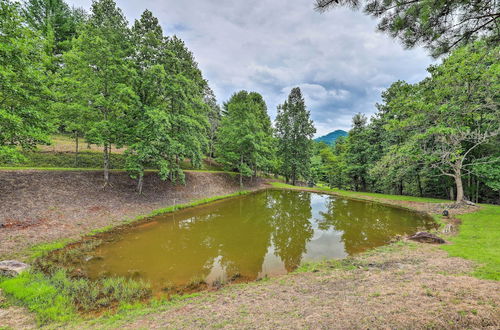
(58, 297)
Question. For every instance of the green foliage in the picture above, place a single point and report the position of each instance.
(244, 140)
(57, 23)
(98, 73)
(478, 240)
(294, 131)
(171, 121)
(431, 137)
(23, 121)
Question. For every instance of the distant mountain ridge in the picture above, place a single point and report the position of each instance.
(331, 137)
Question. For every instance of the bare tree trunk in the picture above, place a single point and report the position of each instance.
(452, 193)
(420, 191)
(140, 183)
(241, 176)
(477, 190)
(106, 165)
(76, 148)
(460, 187)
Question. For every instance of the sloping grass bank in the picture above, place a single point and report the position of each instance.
(86, 160)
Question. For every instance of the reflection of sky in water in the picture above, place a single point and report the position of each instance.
(324, 244)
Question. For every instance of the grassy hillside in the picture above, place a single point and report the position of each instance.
(61, 154)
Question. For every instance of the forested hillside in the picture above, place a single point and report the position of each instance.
(102, 81)
(331, 137)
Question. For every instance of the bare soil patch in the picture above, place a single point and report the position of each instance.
(43, 206)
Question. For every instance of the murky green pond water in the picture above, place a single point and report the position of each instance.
(249, 237)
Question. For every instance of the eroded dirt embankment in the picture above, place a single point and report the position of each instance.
(43, 206)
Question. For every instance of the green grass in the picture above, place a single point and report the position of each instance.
(40, 296)
(479, 240)
(40, 250)
(87, 160)
(358, 194)
(57, 297)
(56, 159)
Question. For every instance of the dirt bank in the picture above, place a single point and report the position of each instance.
(43, 206)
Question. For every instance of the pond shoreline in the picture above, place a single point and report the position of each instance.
(42, 207)
(400, 285)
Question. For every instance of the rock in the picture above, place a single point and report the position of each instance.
(12, 268)
(425, 237)
(470, 203)
(446, 213)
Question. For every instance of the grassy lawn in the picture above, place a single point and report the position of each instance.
(87, 160)
(66, 143)
(479, 240)
(61, 155)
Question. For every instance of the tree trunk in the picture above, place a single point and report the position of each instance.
(363, 184)
(76, 148)
(400, 187)
(477, 190)
(106, 165)
(140, 183)
(459, 186)
(294, 179)
(241, 176)
(420, 191)
(452, 193)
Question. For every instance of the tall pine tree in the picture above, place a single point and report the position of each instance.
(294, 130)
(244, 138)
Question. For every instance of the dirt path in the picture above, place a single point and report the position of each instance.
(44, 206)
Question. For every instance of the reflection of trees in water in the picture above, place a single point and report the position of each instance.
(243, 242)
(366, 225)
(292, 228)
(236, 233)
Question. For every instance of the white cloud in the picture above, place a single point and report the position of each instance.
(337, 58)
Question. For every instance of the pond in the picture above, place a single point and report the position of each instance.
(266, 233)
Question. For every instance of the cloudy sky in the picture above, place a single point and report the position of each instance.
(269, 46)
